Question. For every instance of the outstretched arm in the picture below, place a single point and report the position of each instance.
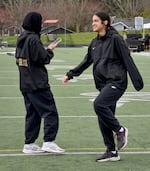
(87, 61)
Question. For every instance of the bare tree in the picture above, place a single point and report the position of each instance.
(78, 13)
(4, 20)
(75, 14)
(17, 10)
(125, 8)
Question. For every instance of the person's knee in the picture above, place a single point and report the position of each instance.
(98, 106)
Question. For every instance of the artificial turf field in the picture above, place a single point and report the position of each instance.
(78, 132)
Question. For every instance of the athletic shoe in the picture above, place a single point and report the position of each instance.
(122, 138)
(32, 148)
(108, 156)
(52, 147)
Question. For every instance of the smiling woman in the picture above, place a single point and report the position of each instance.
(111, 61)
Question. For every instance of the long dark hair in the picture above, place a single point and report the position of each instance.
(105, 17)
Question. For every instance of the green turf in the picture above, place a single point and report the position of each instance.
(75, 163)
(76, 134)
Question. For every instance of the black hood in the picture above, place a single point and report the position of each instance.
(32, 22)
(21, 39)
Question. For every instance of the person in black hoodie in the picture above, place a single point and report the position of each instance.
(31, 58)
(111, 61)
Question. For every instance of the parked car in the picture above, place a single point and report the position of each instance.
(135, 42)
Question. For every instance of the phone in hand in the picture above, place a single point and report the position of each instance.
(57, 41)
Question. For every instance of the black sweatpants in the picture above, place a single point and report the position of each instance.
(104, 106)
(40, 104)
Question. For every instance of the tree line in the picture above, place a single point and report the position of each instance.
(75, 14)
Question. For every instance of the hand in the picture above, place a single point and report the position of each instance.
(52, 46)
(65, 80)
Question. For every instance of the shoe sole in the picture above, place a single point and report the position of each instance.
(112, 159)
(32, 152)
(52, 151)
(126, 139)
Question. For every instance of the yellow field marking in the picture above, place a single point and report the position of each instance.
(103, 149)
(85, 149)
(10, 150)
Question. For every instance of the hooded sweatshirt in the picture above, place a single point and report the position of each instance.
(31, 56)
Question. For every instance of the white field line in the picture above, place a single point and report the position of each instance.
(135, 96)
(52, 85)
(69, 153)
(82, 116)
(56, 85)
(69, 97)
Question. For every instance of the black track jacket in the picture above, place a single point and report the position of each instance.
(31, 58)
(111, 60)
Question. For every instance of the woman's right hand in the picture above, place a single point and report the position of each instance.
(65, 80)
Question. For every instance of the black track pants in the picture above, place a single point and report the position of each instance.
(104, 106)
(40, 104)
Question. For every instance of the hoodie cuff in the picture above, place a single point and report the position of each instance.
(50, 52)
(69, 75)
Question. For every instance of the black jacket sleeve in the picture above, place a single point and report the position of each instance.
(133, 71)
(85, 63)
(40, 56)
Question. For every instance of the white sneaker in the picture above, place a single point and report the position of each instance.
(32, 148)
(52, 147)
